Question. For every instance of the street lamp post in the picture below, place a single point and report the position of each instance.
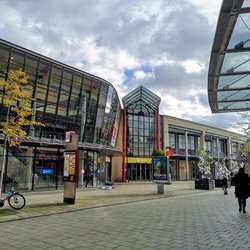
(4, 153)
(168, 154)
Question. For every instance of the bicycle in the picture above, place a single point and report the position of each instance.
(15, 199)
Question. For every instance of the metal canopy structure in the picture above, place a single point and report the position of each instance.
(229, 69)
(144, 95)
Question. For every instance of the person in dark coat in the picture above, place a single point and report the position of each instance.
(242, 188)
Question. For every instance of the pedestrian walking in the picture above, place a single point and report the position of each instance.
(224, 185)
(87, 179)
(128, 174)
(242, 181)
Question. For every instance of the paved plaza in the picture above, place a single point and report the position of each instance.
(181, 218)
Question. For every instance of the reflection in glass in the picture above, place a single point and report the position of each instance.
(66, 99)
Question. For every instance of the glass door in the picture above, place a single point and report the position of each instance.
(133, 172)
(183, 172)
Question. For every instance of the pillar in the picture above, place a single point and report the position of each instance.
(124, 145)
(29, 168)
(157, 118)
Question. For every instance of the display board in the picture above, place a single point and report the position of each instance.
(160, 165)
(71, 166)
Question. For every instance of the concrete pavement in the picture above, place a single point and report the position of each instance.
(51, 202)
(182, 218)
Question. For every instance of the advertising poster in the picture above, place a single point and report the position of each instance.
(71, 163)
(159, 165)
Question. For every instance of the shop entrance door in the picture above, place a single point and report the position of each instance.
(139, 172)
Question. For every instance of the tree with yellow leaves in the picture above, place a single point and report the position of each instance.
(17, 98)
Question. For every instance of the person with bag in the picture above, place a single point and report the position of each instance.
(242, 181)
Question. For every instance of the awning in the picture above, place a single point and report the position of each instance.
(229, 69)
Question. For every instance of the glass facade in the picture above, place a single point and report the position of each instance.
(228, 78)
(141, 107)
(142, 134)
(64, 99)
(141, 130)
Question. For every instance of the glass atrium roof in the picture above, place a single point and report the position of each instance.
(229, 69)
(142, 94)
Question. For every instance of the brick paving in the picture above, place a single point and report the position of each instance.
(50, 202)
(132, 216)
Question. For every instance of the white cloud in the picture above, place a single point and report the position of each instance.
(193, 66)
(107, 38)
(141, 75)
(183, 108)
(210, 11)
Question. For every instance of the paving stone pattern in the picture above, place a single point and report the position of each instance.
(206, 220)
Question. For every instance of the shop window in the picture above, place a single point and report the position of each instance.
(191, 145)
(17, 59)
(182, 143)
(31, 64)
(172, 140)
(4, 53)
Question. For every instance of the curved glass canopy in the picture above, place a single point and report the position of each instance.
(229, 69)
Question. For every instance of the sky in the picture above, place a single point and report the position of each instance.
(164, 45)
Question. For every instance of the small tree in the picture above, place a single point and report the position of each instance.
(204, 164)
(222, 169)
(17, 98)
(158, 152)
(234, 168)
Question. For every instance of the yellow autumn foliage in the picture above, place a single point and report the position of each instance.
(17, 97)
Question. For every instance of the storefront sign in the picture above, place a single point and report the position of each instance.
(159, 165)
(139, 160)
(45, 171)
(71, 165)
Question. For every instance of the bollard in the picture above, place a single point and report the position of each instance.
(160, 188)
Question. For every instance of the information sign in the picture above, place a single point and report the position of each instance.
(46, 171)
(71, 165)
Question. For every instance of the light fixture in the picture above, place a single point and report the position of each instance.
(232, 69)
(241, 44)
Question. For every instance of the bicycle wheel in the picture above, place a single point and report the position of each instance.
(17, 201)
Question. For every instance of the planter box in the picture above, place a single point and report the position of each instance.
(218, 183)
(204, 184)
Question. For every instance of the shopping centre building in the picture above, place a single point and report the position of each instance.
(116, 138)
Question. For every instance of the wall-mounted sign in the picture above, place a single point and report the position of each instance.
(71, 166)
(139, 160)
(160, 165)
(169, 151)
(69, 135)
(45, 171)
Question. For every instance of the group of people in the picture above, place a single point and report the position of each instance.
(242, 188)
